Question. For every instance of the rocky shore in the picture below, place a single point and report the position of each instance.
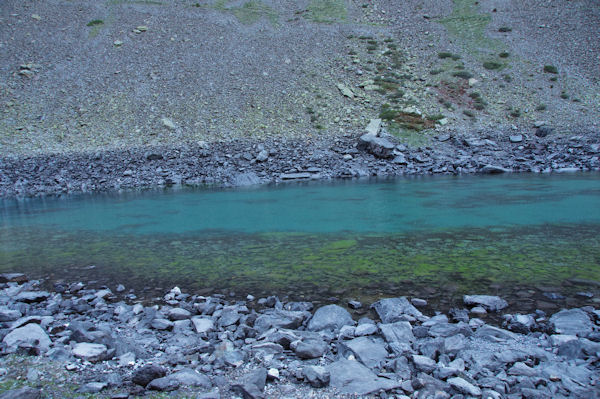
(77, 340)
(246, 162)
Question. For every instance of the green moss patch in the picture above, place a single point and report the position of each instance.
(327, 11)
(250, 12)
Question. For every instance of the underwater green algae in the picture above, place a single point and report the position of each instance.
(308, 264)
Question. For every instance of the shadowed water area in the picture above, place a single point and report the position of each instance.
(533, 239)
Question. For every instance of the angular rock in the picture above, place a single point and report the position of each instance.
(203, 325)
(391, 310)
(92, 387)
(373, 127)
(572, 322)
(398, 332)
(330, 317)
(144, 375)
(162, 324)
(9, 315)
(229, 316)
(191, 378)
(378, 146)
(365, 329)
(163, 384)
(352, 377)
(31, 335)
(521, 369)
(370, 353)
(311, 348)
(488, 302)
(424, 363)
(494, 169)
(90, 352)
(494, 333)
(252, 386)
(178, 314)
(464, 386)
(32, 296)
(279, 319)
(316, 376)
(22, 393)
(295, 176)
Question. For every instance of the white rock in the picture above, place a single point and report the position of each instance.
(169, 124)
(373, 127)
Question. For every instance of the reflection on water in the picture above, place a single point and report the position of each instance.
(437, 238)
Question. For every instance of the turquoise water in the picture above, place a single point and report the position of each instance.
(382, 207)
(430, 236)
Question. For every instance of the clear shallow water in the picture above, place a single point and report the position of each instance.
(435, 237)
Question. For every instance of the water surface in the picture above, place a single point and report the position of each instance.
(439, 237)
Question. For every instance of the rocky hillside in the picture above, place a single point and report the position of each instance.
(115, 74)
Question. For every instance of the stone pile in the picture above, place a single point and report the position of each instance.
(216, 347)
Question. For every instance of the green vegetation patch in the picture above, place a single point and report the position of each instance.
(445, 54)
(95, 22)
(405, 120)
(492, 65)
(250, 12)
(327, 11)
(468, 24)
(550, 69)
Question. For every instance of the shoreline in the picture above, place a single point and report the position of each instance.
(80, 340)
(250, 162)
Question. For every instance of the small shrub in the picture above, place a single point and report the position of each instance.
(463, 75)
(445, 54)
(515, 113)
(95, 22)
(541, 107)
(504, 54)
(507, 78)
(553, 79)
(550, 69)
(491, 65)
(469, 113)
(504, 29)
(564, 95)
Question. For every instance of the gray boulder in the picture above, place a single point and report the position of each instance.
(377, 146)
(279, 319)
(400, 331)
(9, 315)
(90, 352)
(572, 322)
(163, 384)
(370, 353)
(178, 314)
(22, 393)
(144, 375)
(32, 296)
(488, 302)
(311, 348)
(391, 310)
(31, 335)
(463, 386)
(351, 377)
(252, 385)
(330, 317)
(316, 376)
(203, 325)
(191, 378)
